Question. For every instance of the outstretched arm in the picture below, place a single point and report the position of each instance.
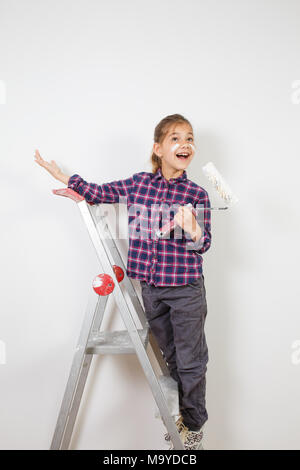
(112, 192)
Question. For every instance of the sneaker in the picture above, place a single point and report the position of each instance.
(192, 440)
(179, 425)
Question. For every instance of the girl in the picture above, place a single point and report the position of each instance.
(169, 269)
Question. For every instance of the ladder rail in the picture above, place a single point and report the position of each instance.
(77, 376)
(99, 240)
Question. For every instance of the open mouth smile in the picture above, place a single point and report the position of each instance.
(182, 155)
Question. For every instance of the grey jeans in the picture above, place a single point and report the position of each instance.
(176, 316)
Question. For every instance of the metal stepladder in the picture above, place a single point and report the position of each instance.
(133, 340)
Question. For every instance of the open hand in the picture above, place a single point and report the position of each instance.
(51, 167)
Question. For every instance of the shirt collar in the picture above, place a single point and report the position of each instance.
(158, 175)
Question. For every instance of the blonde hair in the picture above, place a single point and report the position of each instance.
(160, 132)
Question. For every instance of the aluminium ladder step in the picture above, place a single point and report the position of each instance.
(115, 342)
(170, 390)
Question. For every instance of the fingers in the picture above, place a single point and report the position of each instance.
(184, 211)
(37, 156)
(183, 216)
(40, 161)
(179, 218)
(181, 212)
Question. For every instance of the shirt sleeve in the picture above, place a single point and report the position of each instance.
(112, 192)
(203, 217)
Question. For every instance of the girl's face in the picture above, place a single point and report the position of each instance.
(178, 140)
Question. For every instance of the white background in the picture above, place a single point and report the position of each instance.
(86, 83)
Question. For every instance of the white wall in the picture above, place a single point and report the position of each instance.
(86, 82)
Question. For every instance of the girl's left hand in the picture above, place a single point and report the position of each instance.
(186, 219)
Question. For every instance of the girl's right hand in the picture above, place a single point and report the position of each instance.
(53, 169)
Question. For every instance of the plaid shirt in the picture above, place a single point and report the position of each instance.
(171, 261)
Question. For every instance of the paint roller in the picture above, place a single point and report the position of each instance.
(221, 187)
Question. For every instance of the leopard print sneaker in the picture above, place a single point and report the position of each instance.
(192, 440)
(179, 425)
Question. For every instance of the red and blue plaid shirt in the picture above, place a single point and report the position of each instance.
(150, 197)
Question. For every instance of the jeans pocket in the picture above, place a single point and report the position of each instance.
(145, 288)
(197, 284)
